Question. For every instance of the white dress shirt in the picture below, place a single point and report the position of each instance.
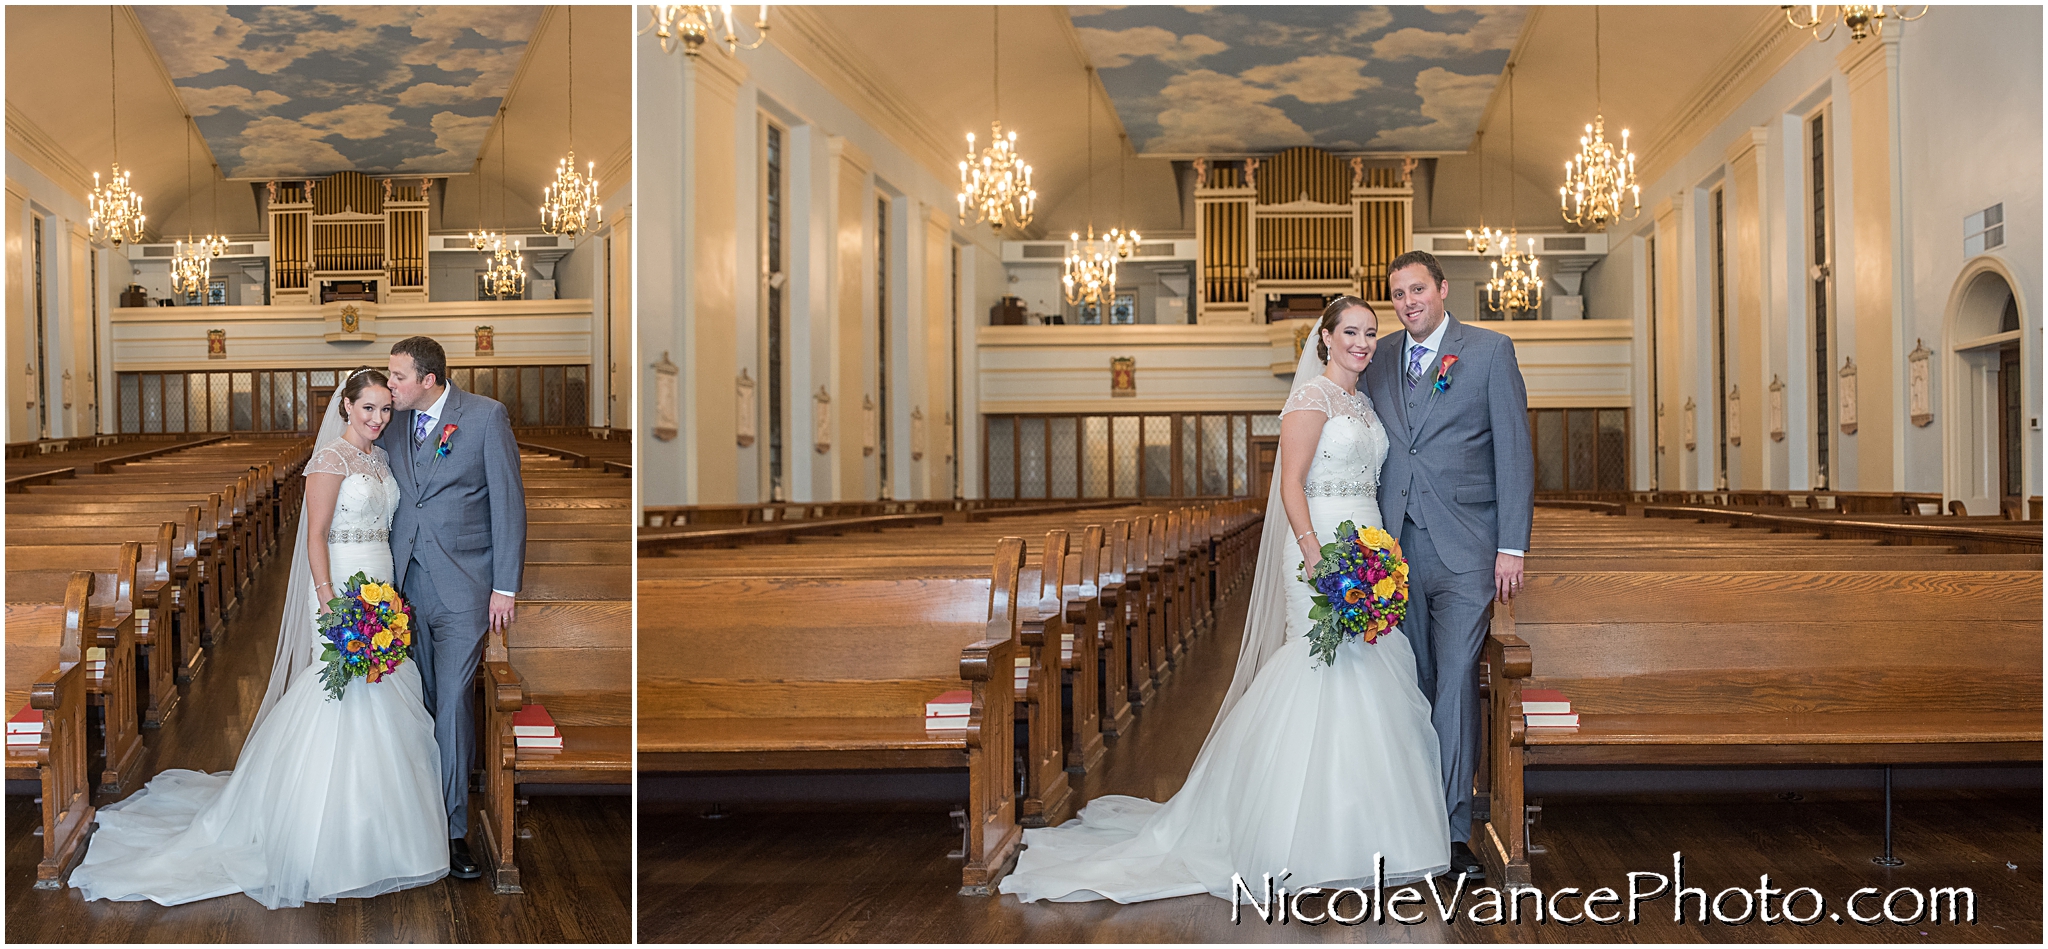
(434, 415)
(1429, 349)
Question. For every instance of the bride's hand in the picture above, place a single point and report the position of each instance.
(1311, 554)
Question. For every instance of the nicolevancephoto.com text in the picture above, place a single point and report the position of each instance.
(1444, 898)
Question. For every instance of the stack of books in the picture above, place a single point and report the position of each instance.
(25, 729)
(1547, 708)
(533, 727)
(948, 710)
(96, 662)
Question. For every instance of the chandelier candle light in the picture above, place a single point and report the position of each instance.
(996, 184)
(114, 210)
(569, 206)
(1600, 181)
(690, 24)
(1515, 286)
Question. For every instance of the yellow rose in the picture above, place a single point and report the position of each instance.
(1384, 588)
(1402, 569)
(1375, 537)
(400, 621)
(382, 640)
(372, 594)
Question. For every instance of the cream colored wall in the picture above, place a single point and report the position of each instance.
(21, 419)
(1247, 367)
(525, 332)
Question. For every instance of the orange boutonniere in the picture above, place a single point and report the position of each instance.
(1443, 373)
(447, 436)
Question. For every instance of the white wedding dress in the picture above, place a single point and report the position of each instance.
(328, 799)
(1310, 772)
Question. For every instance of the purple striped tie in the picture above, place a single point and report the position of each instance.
(1415, 354)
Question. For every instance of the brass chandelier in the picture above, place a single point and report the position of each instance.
(507, 274)
(192, 260)
(1515, 286)
(996, 184)
(569, 206)
(114, 209)
(1600, 181)
(1864, 20)
(1089, 277)
(482, 239)
(1486, 238)
(689, 25)
(1126, 240)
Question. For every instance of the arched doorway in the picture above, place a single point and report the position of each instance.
(1986, 429)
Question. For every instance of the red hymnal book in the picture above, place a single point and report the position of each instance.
(954, 704)
(1545, 702)
(533, 721)
(26, 727)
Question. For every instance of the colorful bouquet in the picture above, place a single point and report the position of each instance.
(369, 632)
(1361, 589)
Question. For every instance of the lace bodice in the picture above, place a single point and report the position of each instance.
(1352, 446)
(369, 495)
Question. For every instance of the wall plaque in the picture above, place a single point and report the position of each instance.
(1920, 400)
(216, 344)
(743, 404)
(1848, 388)
(1777, 406)
(668, 408)
(1123, 376)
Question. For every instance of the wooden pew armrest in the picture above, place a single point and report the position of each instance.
(508, 689)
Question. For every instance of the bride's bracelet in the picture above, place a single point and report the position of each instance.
(1305, 533)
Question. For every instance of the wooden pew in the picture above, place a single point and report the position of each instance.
(46, 670)
(186, 611)
(109, 624)
(570, 651)
(152, 601)
(826, 699)
(1804, 668)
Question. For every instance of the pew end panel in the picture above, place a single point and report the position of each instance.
(52, 679)
(575, 659)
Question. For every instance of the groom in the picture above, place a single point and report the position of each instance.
(459, 545)
(1459, 490)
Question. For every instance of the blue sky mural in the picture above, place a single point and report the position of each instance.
(1201, 80)
(290, 91)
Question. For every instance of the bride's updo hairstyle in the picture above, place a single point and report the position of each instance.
(359, 380)
(1328, 323)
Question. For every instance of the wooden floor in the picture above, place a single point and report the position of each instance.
(575, 869)
(882, 875)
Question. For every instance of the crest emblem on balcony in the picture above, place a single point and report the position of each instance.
(351, 319)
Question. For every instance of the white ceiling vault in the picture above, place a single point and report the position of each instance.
(1669, 72)
(302, 91)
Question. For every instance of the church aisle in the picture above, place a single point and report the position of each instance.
(880, 875)
(576, 889)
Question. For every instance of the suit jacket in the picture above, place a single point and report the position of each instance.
(462, 516)
(1459, 462)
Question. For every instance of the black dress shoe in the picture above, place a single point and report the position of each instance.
(1463, 860)
(461, 865)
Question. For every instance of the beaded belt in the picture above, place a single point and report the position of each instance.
(357, 536)
(1340, 489)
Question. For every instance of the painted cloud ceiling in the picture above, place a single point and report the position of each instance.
(290, 91)
(1202, 80)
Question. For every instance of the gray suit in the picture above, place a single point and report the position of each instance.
(460, 533)
(1458, 485)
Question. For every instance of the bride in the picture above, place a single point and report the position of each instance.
(1309, 770)
(328, 799)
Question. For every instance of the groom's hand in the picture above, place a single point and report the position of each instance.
(501, 611)
(1507, 576)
